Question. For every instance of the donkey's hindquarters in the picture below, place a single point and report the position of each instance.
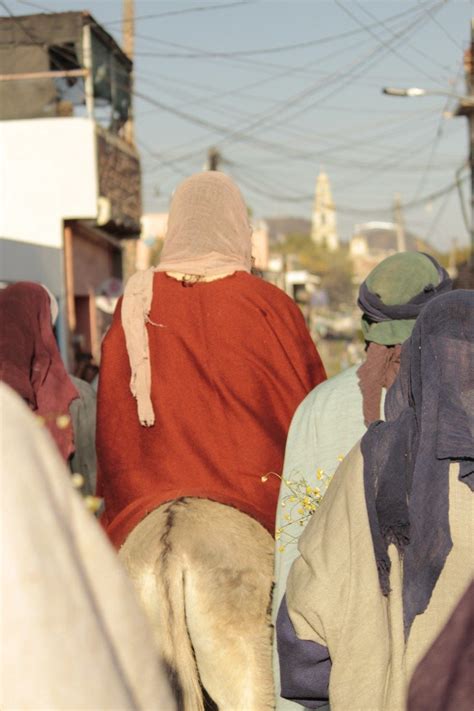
(204, 573)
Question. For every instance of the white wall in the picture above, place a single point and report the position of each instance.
(48, 173)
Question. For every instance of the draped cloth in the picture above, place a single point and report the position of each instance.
(74, 636)
(230, 360)
(377, 372)
(30, 361)
(443, 679)
(406, 460)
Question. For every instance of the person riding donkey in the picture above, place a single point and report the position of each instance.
(202, 369)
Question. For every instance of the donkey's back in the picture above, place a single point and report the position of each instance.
(204, 573)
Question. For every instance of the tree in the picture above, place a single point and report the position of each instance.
(334, 268)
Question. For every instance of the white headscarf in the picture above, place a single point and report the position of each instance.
(208, 235)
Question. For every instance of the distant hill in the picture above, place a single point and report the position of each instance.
(281, 227)
(382, 237)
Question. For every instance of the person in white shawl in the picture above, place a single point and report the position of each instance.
(73, 636)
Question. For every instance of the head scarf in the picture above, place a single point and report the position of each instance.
(394, 293)
(391, 298)
(30, 361)
(208, 235)
(430, 413)
(208, 228)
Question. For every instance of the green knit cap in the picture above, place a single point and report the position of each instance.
(396, 281)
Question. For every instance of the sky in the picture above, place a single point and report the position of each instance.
(287, 89)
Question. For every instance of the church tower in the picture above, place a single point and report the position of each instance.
(323, 231)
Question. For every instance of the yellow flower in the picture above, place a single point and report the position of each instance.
(320, 474)
(63, 421)
(293, 499)
(277, 536)
(92, 503)
(340, 458)
(281, 549)
(287, 517)
(77, 480)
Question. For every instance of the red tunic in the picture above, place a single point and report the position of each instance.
(230, 362)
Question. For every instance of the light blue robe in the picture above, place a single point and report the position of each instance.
(326, 425)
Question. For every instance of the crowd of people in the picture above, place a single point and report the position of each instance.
(284, 540)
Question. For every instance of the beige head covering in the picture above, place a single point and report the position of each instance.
(208, 235)
(208, 228)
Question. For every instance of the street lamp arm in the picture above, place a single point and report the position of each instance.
(416, 91)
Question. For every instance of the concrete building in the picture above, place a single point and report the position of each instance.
(323, 228)
(261, 245)
(153, 231)
(69, 180)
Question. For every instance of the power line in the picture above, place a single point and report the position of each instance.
(409, 205)
(383, 42)
(195, 53)
(442, 28)
(418, 51)
(185, 11)
(35, 4)
(344, 76)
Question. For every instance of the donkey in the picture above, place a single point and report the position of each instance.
(204, 573)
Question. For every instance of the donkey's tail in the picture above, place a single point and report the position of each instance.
(173, 634)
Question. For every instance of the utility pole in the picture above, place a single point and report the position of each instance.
(399, 223)
(213, 159)
(467, 109)
(128, 42)
(129, 246)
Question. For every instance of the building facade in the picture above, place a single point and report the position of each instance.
(70, 181)
(374, 241)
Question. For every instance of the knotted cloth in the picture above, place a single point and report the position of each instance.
(430, 423)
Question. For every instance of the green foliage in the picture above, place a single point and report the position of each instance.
(155, 252)
(334, 268)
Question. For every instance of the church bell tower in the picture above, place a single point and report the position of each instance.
(323, 231)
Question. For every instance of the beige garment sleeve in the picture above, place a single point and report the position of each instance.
(318, 582)
(73, 635)
(334, 598)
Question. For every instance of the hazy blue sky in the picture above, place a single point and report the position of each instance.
(279, 116)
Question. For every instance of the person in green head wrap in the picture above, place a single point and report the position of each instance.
(335, 415)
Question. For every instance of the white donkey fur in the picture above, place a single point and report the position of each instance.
(204, 573)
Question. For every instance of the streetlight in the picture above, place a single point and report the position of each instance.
(465, 108)
(417, 91)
